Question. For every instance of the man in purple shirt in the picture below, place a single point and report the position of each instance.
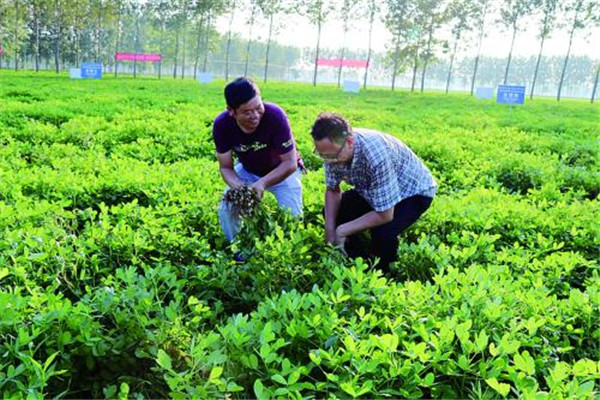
(259, 134)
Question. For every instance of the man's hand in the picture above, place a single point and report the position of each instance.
(330, 236)
(259, 186)
(337, 241)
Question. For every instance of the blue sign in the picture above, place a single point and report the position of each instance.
(351, 86)
(510, 94)
(91, 70)
(205, 77)
(484, 93)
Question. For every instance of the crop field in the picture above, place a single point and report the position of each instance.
(116, 281)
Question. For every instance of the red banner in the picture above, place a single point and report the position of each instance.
(336, 62)
(137, 57)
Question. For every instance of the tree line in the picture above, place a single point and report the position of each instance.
(423, 32)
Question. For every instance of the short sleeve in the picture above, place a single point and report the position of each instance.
(332, 179)
(221, 138)
(283, 141)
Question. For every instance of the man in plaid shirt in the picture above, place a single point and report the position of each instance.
(392, 187)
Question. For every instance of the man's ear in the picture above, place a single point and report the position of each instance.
(231, 111)
(351, 140)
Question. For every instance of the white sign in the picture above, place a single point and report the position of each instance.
(484, 93)
(205, 77)
(351, 86)
(75, 73)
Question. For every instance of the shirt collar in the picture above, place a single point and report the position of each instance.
(358, 148)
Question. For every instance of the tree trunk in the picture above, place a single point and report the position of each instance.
(317, 54)
(249, 41)
(136, 45)
(57, 36)
(562, 75)
(426, 61)
(451, 64)
(268, 47)
(371, 19)
(118, 34)
(207, 42)
(160, 46)
(183, 51)
(78, 45)
(415, 65)
(339, 77)
(396, 59)
(36, 24)
(16, 35)
(595, 84)
(198, 40)
(512, 44)
(537, 67)
(176, 51)
(97, 44)
(228, 46)
(481, 26)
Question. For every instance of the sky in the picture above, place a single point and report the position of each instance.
(299, 32)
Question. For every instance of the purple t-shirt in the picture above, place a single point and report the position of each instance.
(259, 151)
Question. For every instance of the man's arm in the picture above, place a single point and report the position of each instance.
(333, 199)
(227, 172)
(370, 220)
(288, 166)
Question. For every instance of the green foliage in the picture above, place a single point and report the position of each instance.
(116, 281)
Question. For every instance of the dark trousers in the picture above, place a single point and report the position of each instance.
(384, 238)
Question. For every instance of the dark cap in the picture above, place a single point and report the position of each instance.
(239, 91)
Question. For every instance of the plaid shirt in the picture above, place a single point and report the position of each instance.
(384, 171)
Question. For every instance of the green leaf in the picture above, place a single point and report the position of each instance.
(259, 390)
(123, 391)
(350, 344)
(524, 362)
(585, 390)
(4, 272)
(493, 350)
(501, 388)
(348, 387)
(481, 341)
(463, 362)
(163, 359)
(584, 368)
(216, 372)
(429, 379)
(314, 358)
(279, 379)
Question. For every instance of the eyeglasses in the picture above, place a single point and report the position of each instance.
(331, 157)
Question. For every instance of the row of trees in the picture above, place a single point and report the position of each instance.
(183, 31)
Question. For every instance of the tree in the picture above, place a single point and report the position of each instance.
(232, 5)
(345, 13)
(461, 14)
(120, 8)
(595, 83)
(372, 8)
(251, 24)
(582, 12)
(395, 20)
(480, 11)
(437, 15)
(317, 12)
(511, 13)
(17, 16)
(162, 14)
(270, 9)
(549, 8)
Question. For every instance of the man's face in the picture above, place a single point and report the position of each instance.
(333, 153)
(249, 114)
